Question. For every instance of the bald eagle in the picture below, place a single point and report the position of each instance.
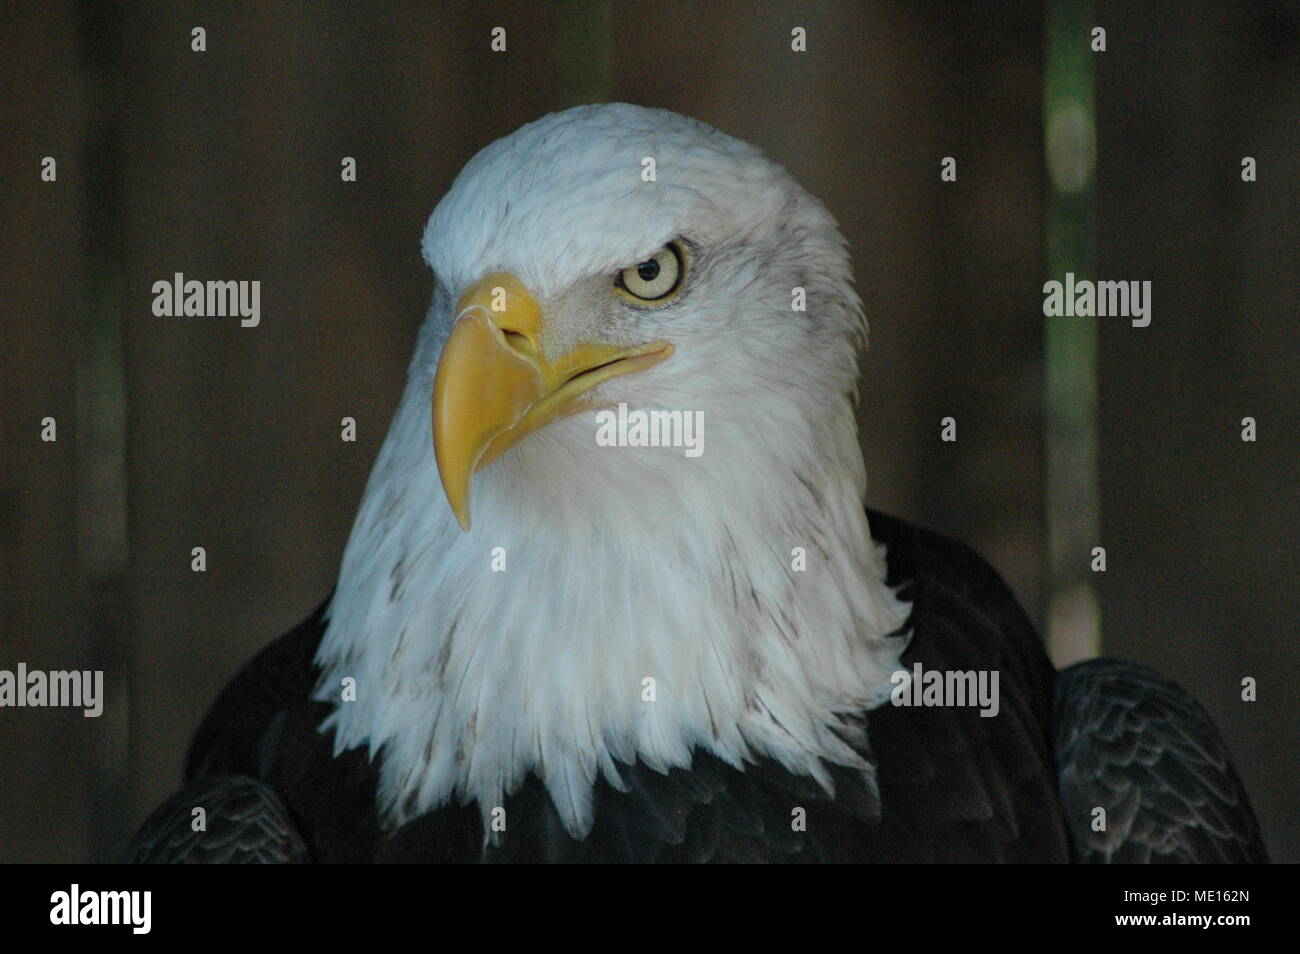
(547, 647)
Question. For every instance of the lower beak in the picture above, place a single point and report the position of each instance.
(494, 386)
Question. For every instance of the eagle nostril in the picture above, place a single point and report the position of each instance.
(517, 341)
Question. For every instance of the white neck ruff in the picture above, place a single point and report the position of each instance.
(468, 678)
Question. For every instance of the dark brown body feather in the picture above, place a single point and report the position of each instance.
(948, 784)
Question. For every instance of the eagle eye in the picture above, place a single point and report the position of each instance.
(656, 279)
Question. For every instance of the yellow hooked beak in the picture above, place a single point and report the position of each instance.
(494, 385)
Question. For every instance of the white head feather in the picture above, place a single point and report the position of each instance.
(625, 564)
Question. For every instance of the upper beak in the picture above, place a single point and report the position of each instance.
(495, 386)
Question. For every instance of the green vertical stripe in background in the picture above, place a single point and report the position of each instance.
(584, 51)
(1074, 626)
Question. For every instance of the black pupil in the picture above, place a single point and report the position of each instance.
(648, 271)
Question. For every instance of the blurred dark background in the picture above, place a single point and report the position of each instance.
(226, 165)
